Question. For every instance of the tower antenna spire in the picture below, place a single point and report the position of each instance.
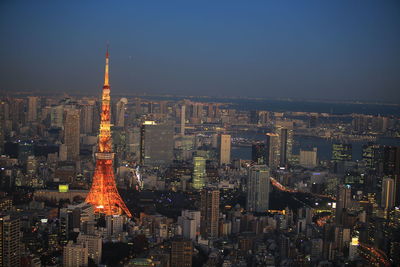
(106, 75)
(103, 194)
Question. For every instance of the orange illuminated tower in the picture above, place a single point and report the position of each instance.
(104, 195)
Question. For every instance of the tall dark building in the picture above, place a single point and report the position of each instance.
(156, 144)
(272, 150)
(284, 130)
(343, 202)
(209, 213)
(391, 160)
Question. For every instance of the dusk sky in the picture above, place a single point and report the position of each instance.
(339, 50)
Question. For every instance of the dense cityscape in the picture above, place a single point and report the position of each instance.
(199, 133)
(183, 199)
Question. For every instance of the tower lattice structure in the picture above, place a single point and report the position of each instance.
(103, 194)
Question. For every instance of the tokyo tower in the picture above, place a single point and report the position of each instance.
(104, 195)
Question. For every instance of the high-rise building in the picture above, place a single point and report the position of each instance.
(32, 108)
(10, 251)
(57, 116)
(120, 112)
(388, 193)
(75, 255)
(258, 188)
(209, 213)
(156, 143)
(224, 145)
(391, 160)
(273, 150)
(285, 132)
(17, 113)
(308, 158)
(181, 252)
(103, 195)
(343, 201)
(199, 172)
(87, 112)
(94, 245)
(72, 134)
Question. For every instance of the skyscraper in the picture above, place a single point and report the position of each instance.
(32, 108)
(103, 194)
(87, 112)
(72, 134)
(258, 188)
(284, 130)
(224, 145)
(9, 241)
(388, 193)
(120, 112)
(272, 146)
(57, 116)
(199, 172)
(156, 143)
(343, 201)
(209, 213)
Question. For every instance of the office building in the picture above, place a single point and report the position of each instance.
(209, 213)
(57, 116)
(72, 134)
(272, 146)
(199, 172)
(343, 201)
(308, 158)
(284, 129)
(120, 108)
(224, 145)
(388, 193)
(156, 144)
(87, 112)
(258, 186)
(32, 108)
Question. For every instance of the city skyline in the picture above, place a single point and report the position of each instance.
(310, 50)
(230, 134)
